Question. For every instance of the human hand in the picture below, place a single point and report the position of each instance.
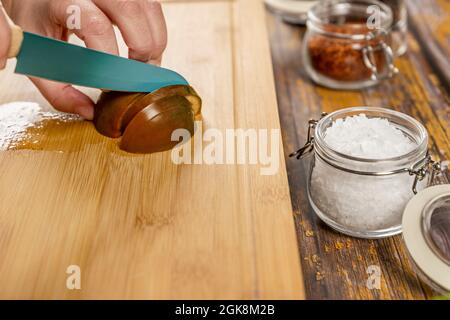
(141, 23)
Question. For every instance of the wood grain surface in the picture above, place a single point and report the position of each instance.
(430, 25)
(335, 266)
(140, 226)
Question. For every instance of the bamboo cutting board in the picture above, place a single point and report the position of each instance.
(141, 226)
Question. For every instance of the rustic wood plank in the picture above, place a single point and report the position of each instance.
(140, 226)
(431, 26)
(334, 266)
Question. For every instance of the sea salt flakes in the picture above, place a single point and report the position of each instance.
(17, 117)
(369, 138)
(357, 202)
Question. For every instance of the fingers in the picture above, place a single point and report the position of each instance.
(158, 27)
(132, 22)
(66, 98)
(142, 25)
(5, 36)
(96, 29)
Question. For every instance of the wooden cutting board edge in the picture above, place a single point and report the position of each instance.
(254, 74)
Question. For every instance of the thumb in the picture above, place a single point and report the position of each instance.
(65, 98)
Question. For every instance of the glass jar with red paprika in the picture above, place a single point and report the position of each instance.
(347, 44)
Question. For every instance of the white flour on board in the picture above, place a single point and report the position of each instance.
(17, 117)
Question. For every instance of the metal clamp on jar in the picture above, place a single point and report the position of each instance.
(348, 44)
(366, 197)
(400, 26)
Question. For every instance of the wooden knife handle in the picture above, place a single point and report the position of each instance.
(16, 36)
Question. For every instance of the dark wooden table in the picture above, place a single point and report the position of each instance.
(335, 266)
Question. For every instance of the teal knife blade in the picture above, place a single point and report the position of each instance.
(60, 61)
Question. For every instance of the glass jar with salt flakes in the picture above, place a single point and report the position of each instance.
(368, 163)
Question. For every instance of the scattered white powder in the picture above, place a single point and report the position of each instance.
(17, 117)
(369, 138)
(355, 202)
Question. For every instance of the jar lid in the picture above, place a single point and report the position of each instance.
(293, 11)
(426, 232)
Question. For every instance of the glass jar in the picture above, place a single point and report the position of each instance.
(365, 197)
(399, 27)
(345, 47)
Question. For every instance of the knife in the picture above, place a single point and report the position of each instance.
(51, 59)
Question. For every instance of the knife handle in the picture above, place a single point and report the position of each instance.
(16, 36)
